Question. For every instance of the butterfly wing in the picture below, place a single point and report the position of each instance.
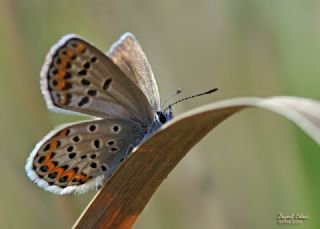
(74, 158)
(129, 56)
(78, 77)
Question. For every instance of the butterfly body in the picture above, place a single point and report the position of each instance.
(118, 89)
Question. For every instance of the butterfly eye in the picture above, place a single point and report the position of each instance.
(162, 117)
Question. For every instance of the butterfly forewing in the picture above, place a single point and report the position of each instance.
(129, 56)
(73, 157)
(78, 77)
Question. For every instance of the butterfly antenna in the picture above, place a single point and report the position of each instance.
(177, 92)
(193, 96)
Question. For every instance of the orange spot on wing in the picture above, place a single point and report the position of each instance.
(81, 177)
(54, 144)
(61, 84)
(50, 164)
(63, 60)
(70, 174)
(59, 171)
(81, 47)
(62, 133)
(70, 53)
(61, 74)
(48, 157)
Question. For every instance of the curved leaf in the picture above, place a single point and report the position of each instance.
(122, 199)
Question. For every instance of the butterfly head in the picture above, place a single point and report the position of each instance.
(160, 118)
(163, 117)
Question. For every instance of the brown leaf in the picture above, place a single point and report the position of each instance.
(119, 203)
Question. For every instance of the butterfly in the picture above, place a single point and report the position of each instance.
(118, 89)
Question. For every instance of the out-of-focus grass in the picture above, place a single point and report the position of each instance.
(241, 175)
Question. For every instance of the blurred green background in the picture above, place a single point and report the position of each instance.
(243, 173)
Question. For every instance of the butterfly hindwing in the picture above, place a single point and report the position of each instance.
(80, 78)
(74, 158)
(130, 58)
